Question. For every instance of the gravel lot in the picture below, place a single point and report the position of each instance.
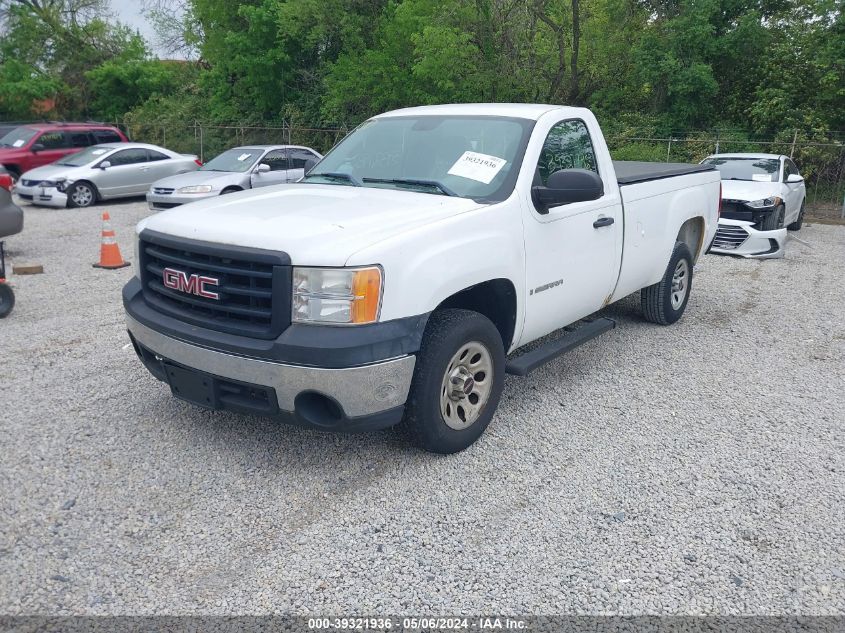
(694, 469)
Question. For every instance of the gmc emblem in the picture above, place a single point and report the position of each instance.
(192, 284)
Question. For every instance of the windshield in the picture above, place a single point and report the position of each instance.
(470, 157)
(239, 159)
(757, 169)
(89, 154)
(18, 137)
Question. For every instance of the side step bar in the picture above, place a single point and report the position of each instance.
(528, 362)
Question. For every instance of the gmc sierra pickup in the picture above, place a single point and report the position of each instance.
(390, 283)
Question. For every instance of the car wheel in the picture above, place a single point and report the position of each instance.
(796, 226)
(7, 300)
(665, 301)
(774, 220)
(81, 195)
(458, 381)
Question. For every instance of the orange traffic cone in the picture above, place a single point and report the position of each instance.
(109, 251)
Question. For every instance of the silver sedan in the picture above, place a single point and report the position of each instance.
(102, 172)
(235, 169)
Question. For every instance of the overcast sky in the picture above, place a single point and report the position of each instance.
(129, 12)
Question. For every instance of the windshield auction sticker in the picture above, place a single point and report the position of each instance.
(475, 166)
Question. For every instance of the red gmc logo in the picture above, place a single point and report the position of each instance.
(192, 284)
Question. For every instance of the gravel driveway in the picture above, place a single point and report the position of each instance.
(697, 468)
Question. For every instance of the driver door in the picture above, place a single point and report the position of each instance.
(573, 260)
(277, 160)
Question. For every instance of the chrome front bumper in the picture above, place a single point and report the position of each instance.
(359, 391)
(740, 238)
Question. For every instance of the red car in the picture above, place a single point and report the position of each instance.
(30, 146)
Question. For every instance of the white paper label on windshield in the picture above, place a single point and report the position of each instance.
(243, 157)
(475, 166)
(761, 177)
(18, 143)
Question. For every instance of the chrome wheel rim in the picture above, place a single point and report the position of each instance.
(466, 385)
(680, 284)
(82, 196)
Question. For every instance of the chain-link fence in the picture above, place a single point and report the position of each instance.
(821, 160)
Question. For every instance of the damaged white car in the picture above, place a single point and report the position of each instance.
(761, 194)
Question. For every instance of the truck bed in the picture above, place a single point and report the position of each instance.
(629, 172)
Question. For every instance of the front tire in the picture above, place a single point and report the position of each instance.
(457, 383)
(774, 220)
(665, 301)
(7, 300)
(796, 226)
(81, 195)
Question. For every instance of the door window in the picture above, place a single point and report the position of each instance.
(53, 140)
(568, 146)
(789, 168)
(298, 158)
(107, 136)
(277, 159)
(80, 139)
(128, 157)
(154, 155)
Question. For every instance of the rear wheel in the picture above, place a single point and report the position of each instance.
(458, 381)
(796, 226)
(665, 301)
(81, 195)
(7, 300)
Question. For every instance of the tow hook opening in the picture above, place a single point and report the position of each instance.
(318, 409)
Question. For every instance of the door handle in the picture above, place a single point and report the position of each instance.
(603, 222)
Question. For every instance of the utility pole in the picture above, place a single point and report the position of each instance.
(794, 138)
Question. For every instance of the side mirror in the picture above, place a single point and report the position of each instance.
(566, 186)
(37, 147)
(263, 168)
(309, 165)
(794, 178)
(104, 165)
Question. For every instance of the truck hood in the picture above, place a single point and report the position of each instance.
(747, 191)
(317, 225)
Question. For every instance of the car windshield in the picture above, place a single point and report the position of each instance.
(88, 155)
(239, 159)
(757, 169)
(18, 137)
(466, 156)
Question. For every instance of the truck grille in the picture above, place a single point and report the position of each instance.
(729, 236)
(162, 191)
(253, 285)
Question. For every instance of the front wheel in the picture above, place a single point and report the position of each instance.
(458, 381)
(7, 300)
(665, 301)
(796, 226)
(774, 220)
(81, 195)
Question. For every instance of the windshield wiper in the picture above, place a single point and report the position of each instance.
(413, 181)
(338, 175)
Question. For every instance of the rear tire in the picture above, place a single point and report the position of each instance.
(796, 226)
(81, 195)
(7, 300)
(665, 301)
(457, 383)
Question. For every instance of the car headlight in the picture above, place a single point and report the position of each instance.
(195, 189)
(336, 295)
(762, 204)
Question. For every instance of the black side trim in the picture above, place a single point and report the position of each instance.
(629, 172)
(326, 346)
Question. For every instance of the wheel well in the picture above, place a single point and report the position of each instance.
(13, 169)
(495, 299)
(692, 234)
(231, 189)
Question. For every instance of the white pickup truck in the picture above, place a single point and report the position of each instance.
(390, 284)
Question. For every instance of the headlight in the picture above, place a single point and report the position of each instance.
(336, 295)
(195, 189)
(762, 204)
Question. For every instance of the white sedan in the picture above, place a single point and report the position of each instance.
(761, 194)
(102, 172)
